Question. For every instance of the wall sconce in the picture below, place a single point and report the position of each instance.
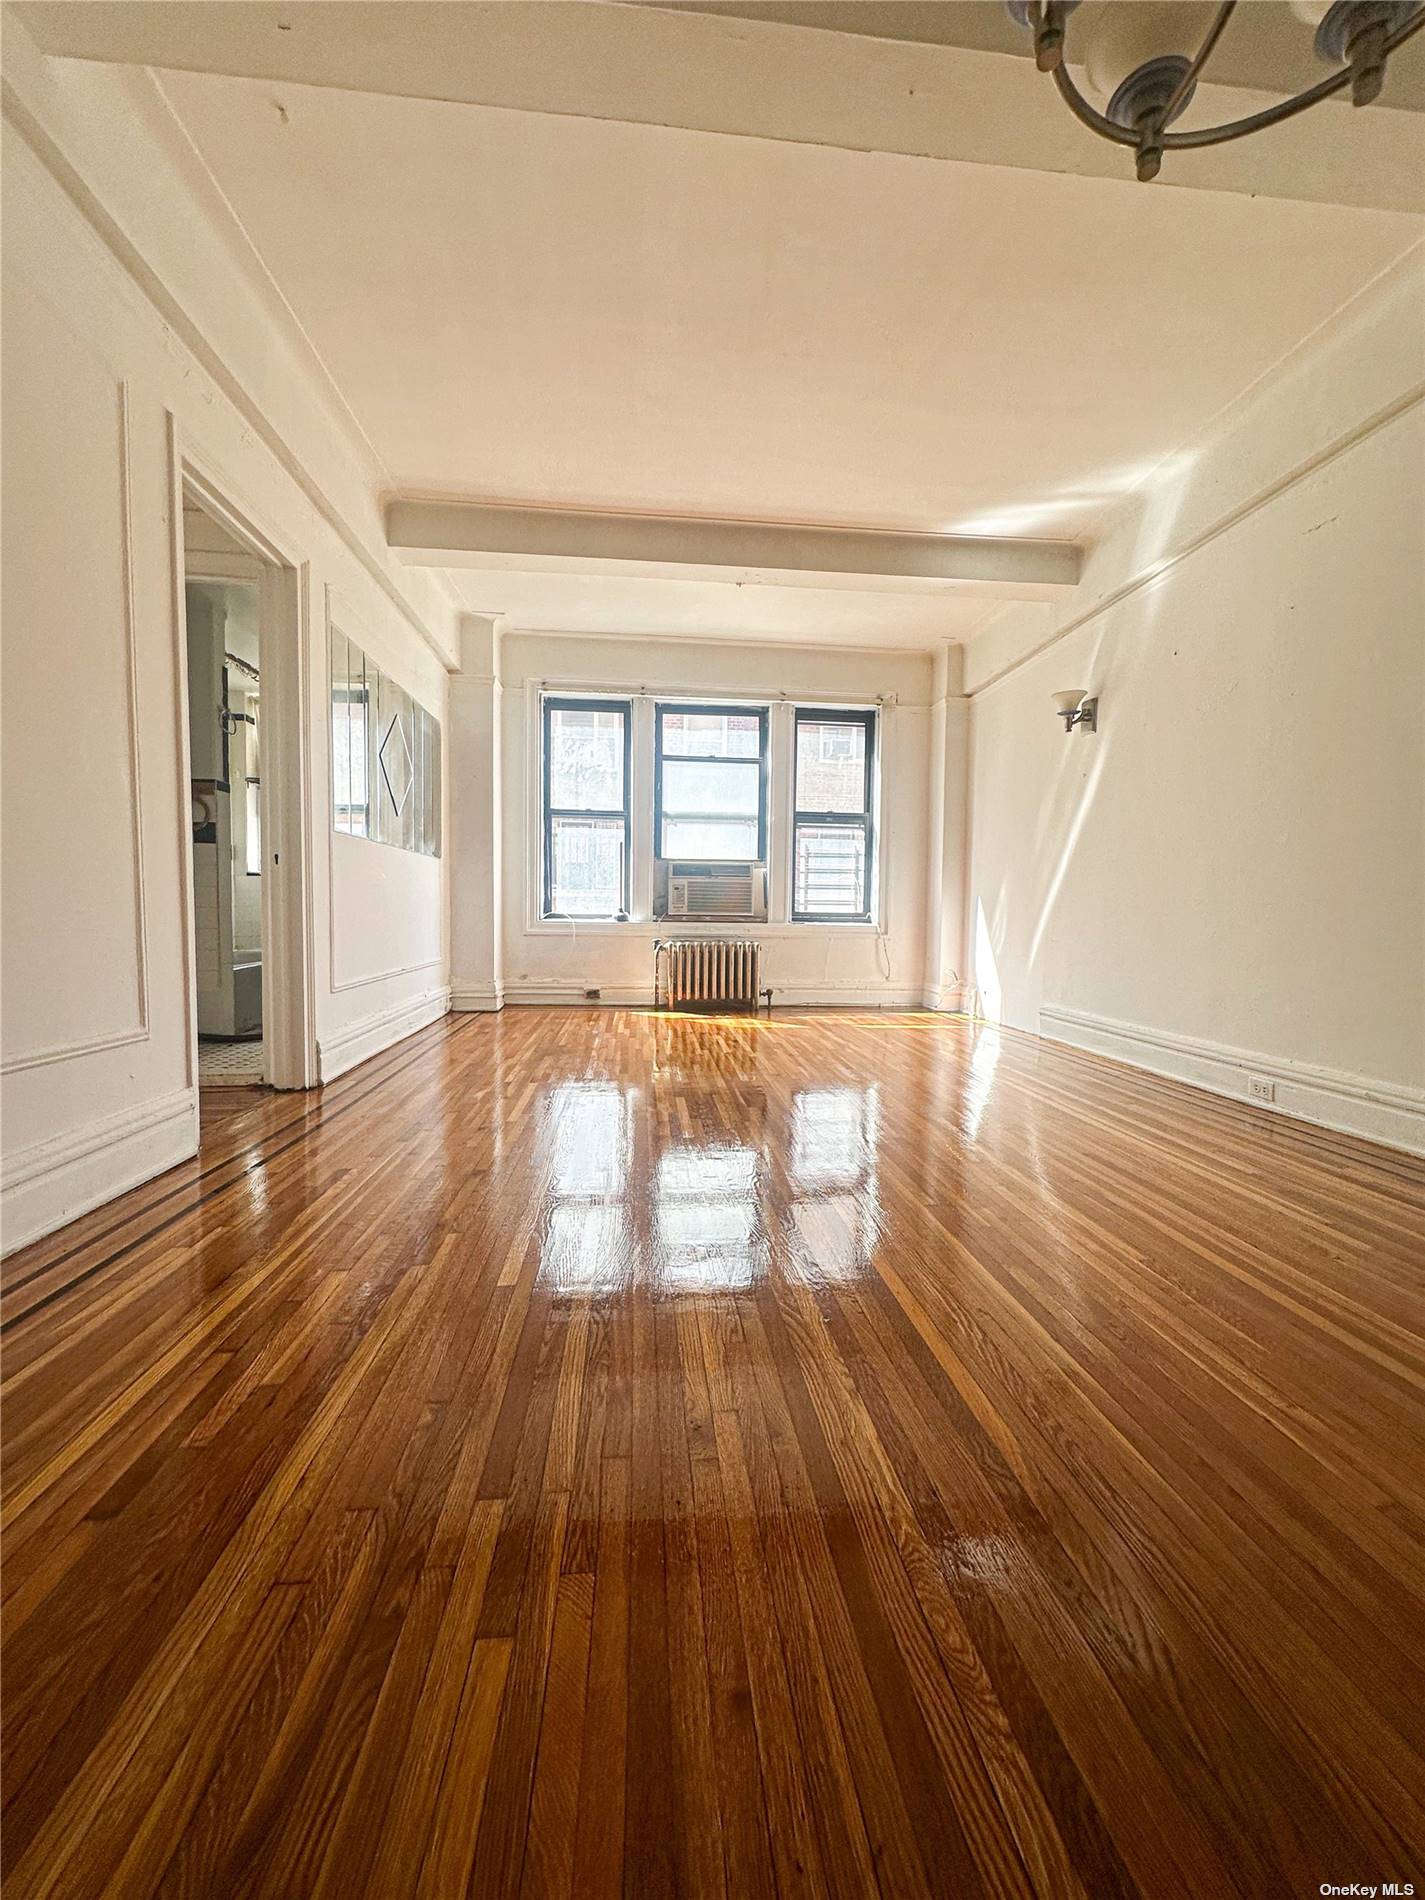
(1076, 709)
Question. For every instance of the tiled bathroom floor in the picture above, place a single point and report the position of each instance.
(233, 1065)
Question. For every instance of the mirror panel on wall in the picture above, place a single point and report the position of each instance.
(385, 750)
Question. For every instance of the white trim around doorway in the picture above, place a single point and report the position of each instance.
(288, 919)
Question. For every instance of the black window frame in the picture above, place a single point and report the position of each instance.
(560, 702)
(863, 821)
(734, 710)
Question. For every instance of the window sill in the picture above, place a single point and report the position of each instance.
(651, 927)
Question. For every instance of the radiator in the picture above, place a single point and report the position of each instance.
(713, 971)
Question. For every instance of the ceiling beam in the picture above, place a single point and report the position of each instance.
(753, 78)
(1268, 49)
(481, 534)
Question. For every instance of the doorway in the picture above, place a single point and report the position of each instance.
(250, 1004)
(225, 761)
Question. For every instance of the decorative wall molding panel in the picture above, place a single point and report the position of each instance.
(33, 119)
(139, 1032)
(388, 976)
(55, 1181)
(368, 1036)
(1355, 1105)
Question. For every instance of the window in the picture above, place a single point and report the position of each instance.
(586, 774)
(253, 839)
(252, 759)
(351, 810)
(831, 830)
(710, 783)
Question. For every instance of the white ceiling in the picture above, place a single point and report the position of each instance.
(581, 312)
(586, 313)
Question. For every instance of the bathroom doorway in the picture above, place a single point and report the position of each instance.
(249, 1008)
(225, 750)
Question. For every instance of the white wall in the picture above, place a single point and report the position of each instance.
(108, 363)
(804, 963)
(1231, 875)
(1228, 879)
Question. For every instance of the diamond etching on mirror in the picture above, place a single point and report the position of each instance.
(385, 755)
(397, 767)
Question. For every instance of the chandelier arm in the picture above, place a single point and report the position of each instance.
(1097, 122)
(1287, 108)
(1204, 53)
(1257, 121)
(1089, 115)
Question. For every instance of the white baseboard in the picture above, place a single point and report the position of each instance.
(846, 996)
(361, 1040)
(59, 1179)
(518, 990)
(1388, 1112)
(474, 996)
(951, 999)
(611, 995)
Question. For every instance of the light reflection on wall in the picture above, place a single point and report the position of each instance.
(987, 983)
(835, 1211)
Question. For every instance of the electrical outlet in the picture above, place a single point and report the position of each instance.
(1260, 1089)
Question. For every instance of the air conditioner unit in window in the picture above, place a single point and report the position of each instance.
(717, 890)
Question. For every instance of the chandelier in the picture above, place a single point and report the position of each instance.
(1148, 86)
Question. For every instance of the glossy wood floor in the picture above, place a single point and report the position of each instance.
(582, 1454)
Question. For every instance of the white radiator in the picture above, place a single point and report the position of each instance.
(712, 971)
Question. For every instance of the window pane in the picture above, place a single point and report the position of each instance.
(710, 838)
(711, 790)
(712, 735)
(829, 878)
(365, 738)
(349, 740)
(253, 865)
(361, 690)
(586, 866)
(585, 758)
(341, 736)
(831, 765)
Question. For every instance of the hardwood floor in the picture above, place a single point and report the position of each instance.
(583, 1453)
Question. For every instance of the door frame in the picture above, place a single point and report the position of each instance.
(289, 1016)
